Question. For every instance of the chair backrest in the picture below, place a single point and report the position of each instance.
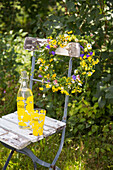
(71, 50)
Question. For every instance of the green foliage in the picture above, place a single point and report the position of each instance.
(90, 118)
(12, 58)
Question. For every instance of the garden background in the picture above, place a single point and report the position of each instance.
(89, 132)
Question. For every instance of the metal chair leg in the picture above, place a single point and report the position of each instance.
(8, 159)
(35, 165)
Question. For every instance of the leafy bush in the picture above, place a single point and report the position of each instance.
(91, 113)
(12, 59)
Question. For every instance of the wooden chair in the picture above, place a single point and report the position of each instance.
(16, 139)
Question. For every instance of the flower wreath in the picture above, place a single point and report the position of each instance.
(48, 59)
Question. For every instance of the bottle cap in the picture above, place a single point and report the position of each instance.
(24, 75)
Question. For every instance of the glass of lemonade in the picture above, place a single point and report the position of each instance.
(37, 121)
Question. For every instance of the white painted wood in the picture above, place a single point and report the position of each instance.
(26, 133)
(56, 124)
(12, 117)
(2, 131)
(13, 140)
(59, 50)
(11, 134)
(15, 129)
(62, 51)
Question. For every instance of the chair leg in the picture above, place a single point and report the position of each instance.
(8, 159)
(35, 165)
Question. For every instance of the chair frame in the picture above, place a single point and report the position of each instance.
(25, 150)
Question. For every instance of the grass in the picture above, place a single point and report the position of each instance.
(76, 155)
(45, 150)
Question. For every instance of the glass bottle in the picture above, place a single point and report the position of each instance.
(25, 104)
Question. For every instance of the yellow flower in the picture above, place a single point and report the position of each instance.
(39, 60)
(50, 37)
(83, 64)
(62, 46)
(41, 88)
(3, 99)
(73, 36)
(70, 32)
(51, 60)
(59, 88)
(93, 54)
(89, 73)
(43, 61)
(97, 61)
(84, 57)
(59, 43)
(67, 79)
(53, 42)
(48, 86)
(48, 75)
(89, 59)
(84, 73)
(86, 67)
(93, 63)
(85, 49)
(54, 75)
(40, 68)
(70, 38)
(54, 89)
(79, 91)
(66, 93)
(73, 91)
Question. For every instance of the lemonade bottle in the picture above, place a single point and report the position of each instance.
(25, 104)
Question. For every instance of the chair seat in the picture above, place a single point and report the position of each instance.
(12, 135)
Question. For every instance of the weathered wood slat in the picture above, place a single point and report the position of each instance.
(11, 134)
(56, 124)
(27, 133)
(15, 129)
(31, 44)
(12, 117)
(13, 140)
(62, 51)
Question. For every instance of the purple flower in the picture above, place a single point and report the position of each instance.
(74, 77)
(40, 75)
(53, 52)
(90, 53)
(82, 47)
(48, 81)
(87, 55)
(4, 91)
(48, 46)
(82, 55)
